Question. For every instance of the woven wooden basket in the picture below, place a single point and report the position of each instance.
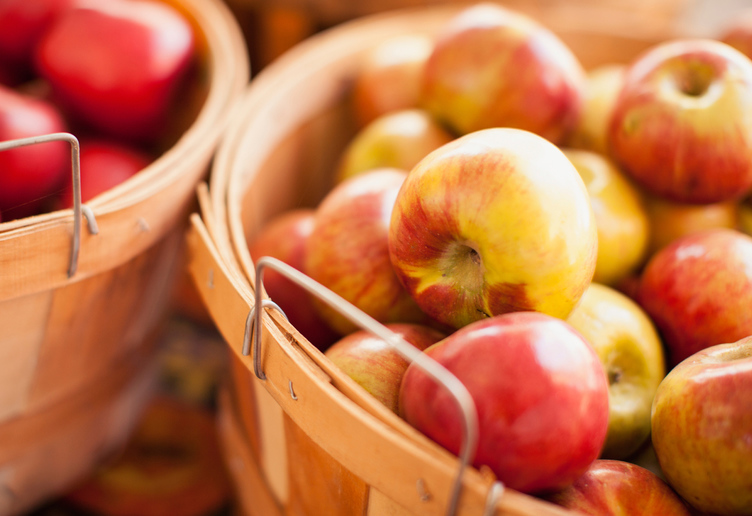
(306, 440)
(66, 338)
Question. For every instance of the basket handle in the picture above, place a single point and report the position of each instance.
(79, 209)
(435, 370)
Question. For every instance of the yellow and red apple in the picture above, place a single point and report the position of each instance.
(682, 124)
(496, 221)
(702, 428)
(492, 66)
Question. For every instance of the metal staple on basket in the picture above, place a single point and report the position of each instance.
(435, 370)
(79, 209)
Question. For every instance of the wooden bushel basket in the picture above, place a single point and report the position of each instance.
(307, 440)
(76, 349)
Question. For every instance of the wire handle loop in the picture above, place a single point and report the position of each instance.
(79, 209)
(435, 370)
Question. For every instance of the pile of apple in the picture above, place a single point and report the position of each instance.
(107, 71)
(566, 242)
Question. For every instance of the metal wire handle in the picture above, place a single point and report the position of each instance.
(435, 370)
(79, 209)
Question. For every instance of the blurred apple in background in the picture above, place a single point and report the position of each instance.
(698, 291)
(117, 65)
(348, 253)
(620, 216)
(374, 364)
(631, 352)
(496, 221)
(495, 67)
(28, 175)
(22, 24)
(390, 77)
(702, 428)
(615, 488)
(284, 237)
(671, 220)
(682, 124)
(540, 394)
(104, 164)
(737, 31)
(398, 139)
(602, 88)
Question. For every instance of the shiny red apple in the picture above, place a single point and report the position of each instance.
(541, 396)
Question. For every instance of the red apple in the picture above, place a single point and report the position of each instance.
(348, 251)
(374, 364)
(614, 488)
(31, 173)
(702, 428)
(495, 67)
(22, 24)
(284, 237)
(698, 291)
(540, 392)
(737, 32)
(496, 221)
(104, 164)
(390, 77)
(682, 124)
(116, 65)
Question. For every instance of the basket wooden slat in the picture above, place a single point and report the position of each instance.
(306, 418)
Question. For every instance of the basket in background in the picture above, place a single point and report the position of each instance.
(76, 352)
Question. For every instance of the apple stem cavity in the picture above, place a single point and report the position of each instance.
(614, 376)
(696, 81)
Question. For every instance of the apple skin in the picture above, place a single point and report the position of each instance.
(348, 252)
(390, 77)
(671, 220)
(467, 83)
(399, 139)
(602, 88)
(540, 393)
(285, 237)
(620, 216)
(702, 428)
(31, 173)
(614, 488)
(116, 65)
(631, 352)
(104, 165)
(682, 124)
(374, 364)
(698, 290)
(461, 207)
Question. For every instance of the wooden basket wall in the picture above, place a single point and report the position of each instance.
(308, 440)
(67, 340)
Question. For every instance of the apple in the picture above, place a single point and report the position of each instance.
(495, 221)
(540, 394)
(702, 428)
(117, 65)
(284, 237)
(22, 24)
(614, 487)
(348, 253)
(698, 290)
(495, 67)
(602, 88)
(389, 79)
(682, 124)
(374, 364)
(31, 173)
(670, 220)
(737, 31)
(631, 352)
(398, 139)
(104, 164)
(620, 216)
